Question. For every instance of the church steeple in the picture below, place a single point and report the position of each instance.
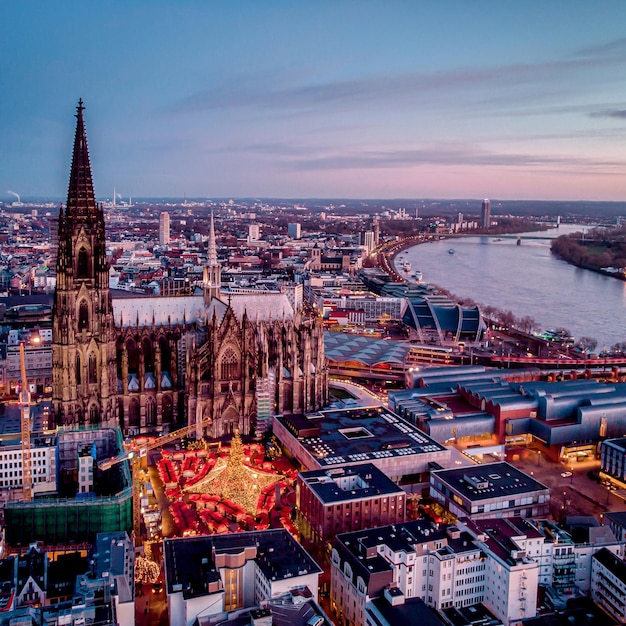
(83, 339)
(212, 249)
(212, 275)
(81, 202)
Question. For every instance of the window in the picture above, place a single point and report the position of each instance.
(83, 316)
(93, 376)
(83, 264)
(229, 365)
(151, 413)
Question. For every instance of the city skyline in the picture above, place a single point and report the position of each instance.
(354, 100)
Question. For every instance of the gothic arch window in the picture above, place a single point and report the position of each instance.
(83, 316)
(93, 373)
(83, 264)
(168, 410)
(94, 415)
(229, 365)
(134, 414)
(151, 413)
(133, 356)
(148, 354)
(78, 370)
(165, 354)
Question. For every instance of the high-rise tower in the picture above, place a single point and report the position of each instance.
(485, 215)
(164, 228)
(84, 381)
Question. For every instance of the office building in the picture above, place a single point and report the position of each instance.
(485, 214)
(335, 439)
(438, 564)
(294, 230)
(333, 501)
(215, 574)
(489, 491)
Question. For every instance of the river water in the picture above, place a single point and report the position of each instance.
(527, 280)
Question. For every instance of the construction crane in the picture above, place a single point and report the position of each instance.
(27, 476)
(135, 456)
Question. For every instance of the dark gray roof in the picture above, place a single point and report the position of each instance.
(613, 563)
(366, 434)
(494, 480)
(617, 517)
(190, 566)
(340, 347)
(371, 482)
(413, 612)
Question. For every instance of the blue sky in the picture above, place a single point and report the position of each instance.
(363, 99)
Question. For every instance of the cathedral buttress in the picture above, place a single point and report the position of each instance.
(84, 384)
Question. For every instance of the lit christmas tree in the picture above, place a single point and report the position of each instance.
(146, 571)
(234, 480)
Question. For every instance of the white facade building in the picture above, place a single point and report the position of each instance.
(42, 461)
(443, 567)
(608, 584)
(164, 228)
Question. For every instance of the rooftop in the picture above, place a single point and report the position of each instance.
(190, 562)
(485, 482)
(403, 537)
(412, 612)
(360, 435)
(349, 483)
(340, 347)
(613, 563)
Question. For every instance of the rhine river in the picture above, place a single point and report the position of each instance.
(527, 280)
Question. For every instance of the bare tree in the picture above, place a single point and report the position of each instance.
(587, 344)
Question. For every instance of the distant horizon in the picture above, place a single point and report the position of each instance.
(8, 200)
(356, 100)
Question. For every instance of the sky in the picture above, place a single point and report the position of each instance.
(324, 99)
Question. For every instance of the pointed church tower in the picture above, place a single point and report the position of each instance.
(212, 275)
(84, 378)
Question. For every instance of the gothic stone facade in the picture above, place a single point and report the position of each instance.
(190, 361)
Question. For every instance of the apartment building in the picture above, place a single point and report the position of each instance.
(608, 584)
(42, 461)
(511, 576)
(440, 565)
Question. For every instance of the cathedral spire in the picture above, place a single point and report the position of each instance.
(81, 202)
(212, 270)
(83, 336)
(212, 250)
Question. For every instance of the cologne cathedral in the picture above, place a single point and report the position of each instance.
(152, 364)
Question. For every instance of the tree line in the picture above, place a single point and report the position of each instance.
(596, 249)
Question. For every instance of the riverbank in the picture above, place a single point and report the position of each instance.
(620, 275)
(528, 280)
(600, 250)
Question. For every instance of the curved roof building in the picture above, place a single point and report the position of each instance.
(432, 314)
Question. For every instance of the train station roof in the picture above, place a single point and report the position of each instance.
(342, 347)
